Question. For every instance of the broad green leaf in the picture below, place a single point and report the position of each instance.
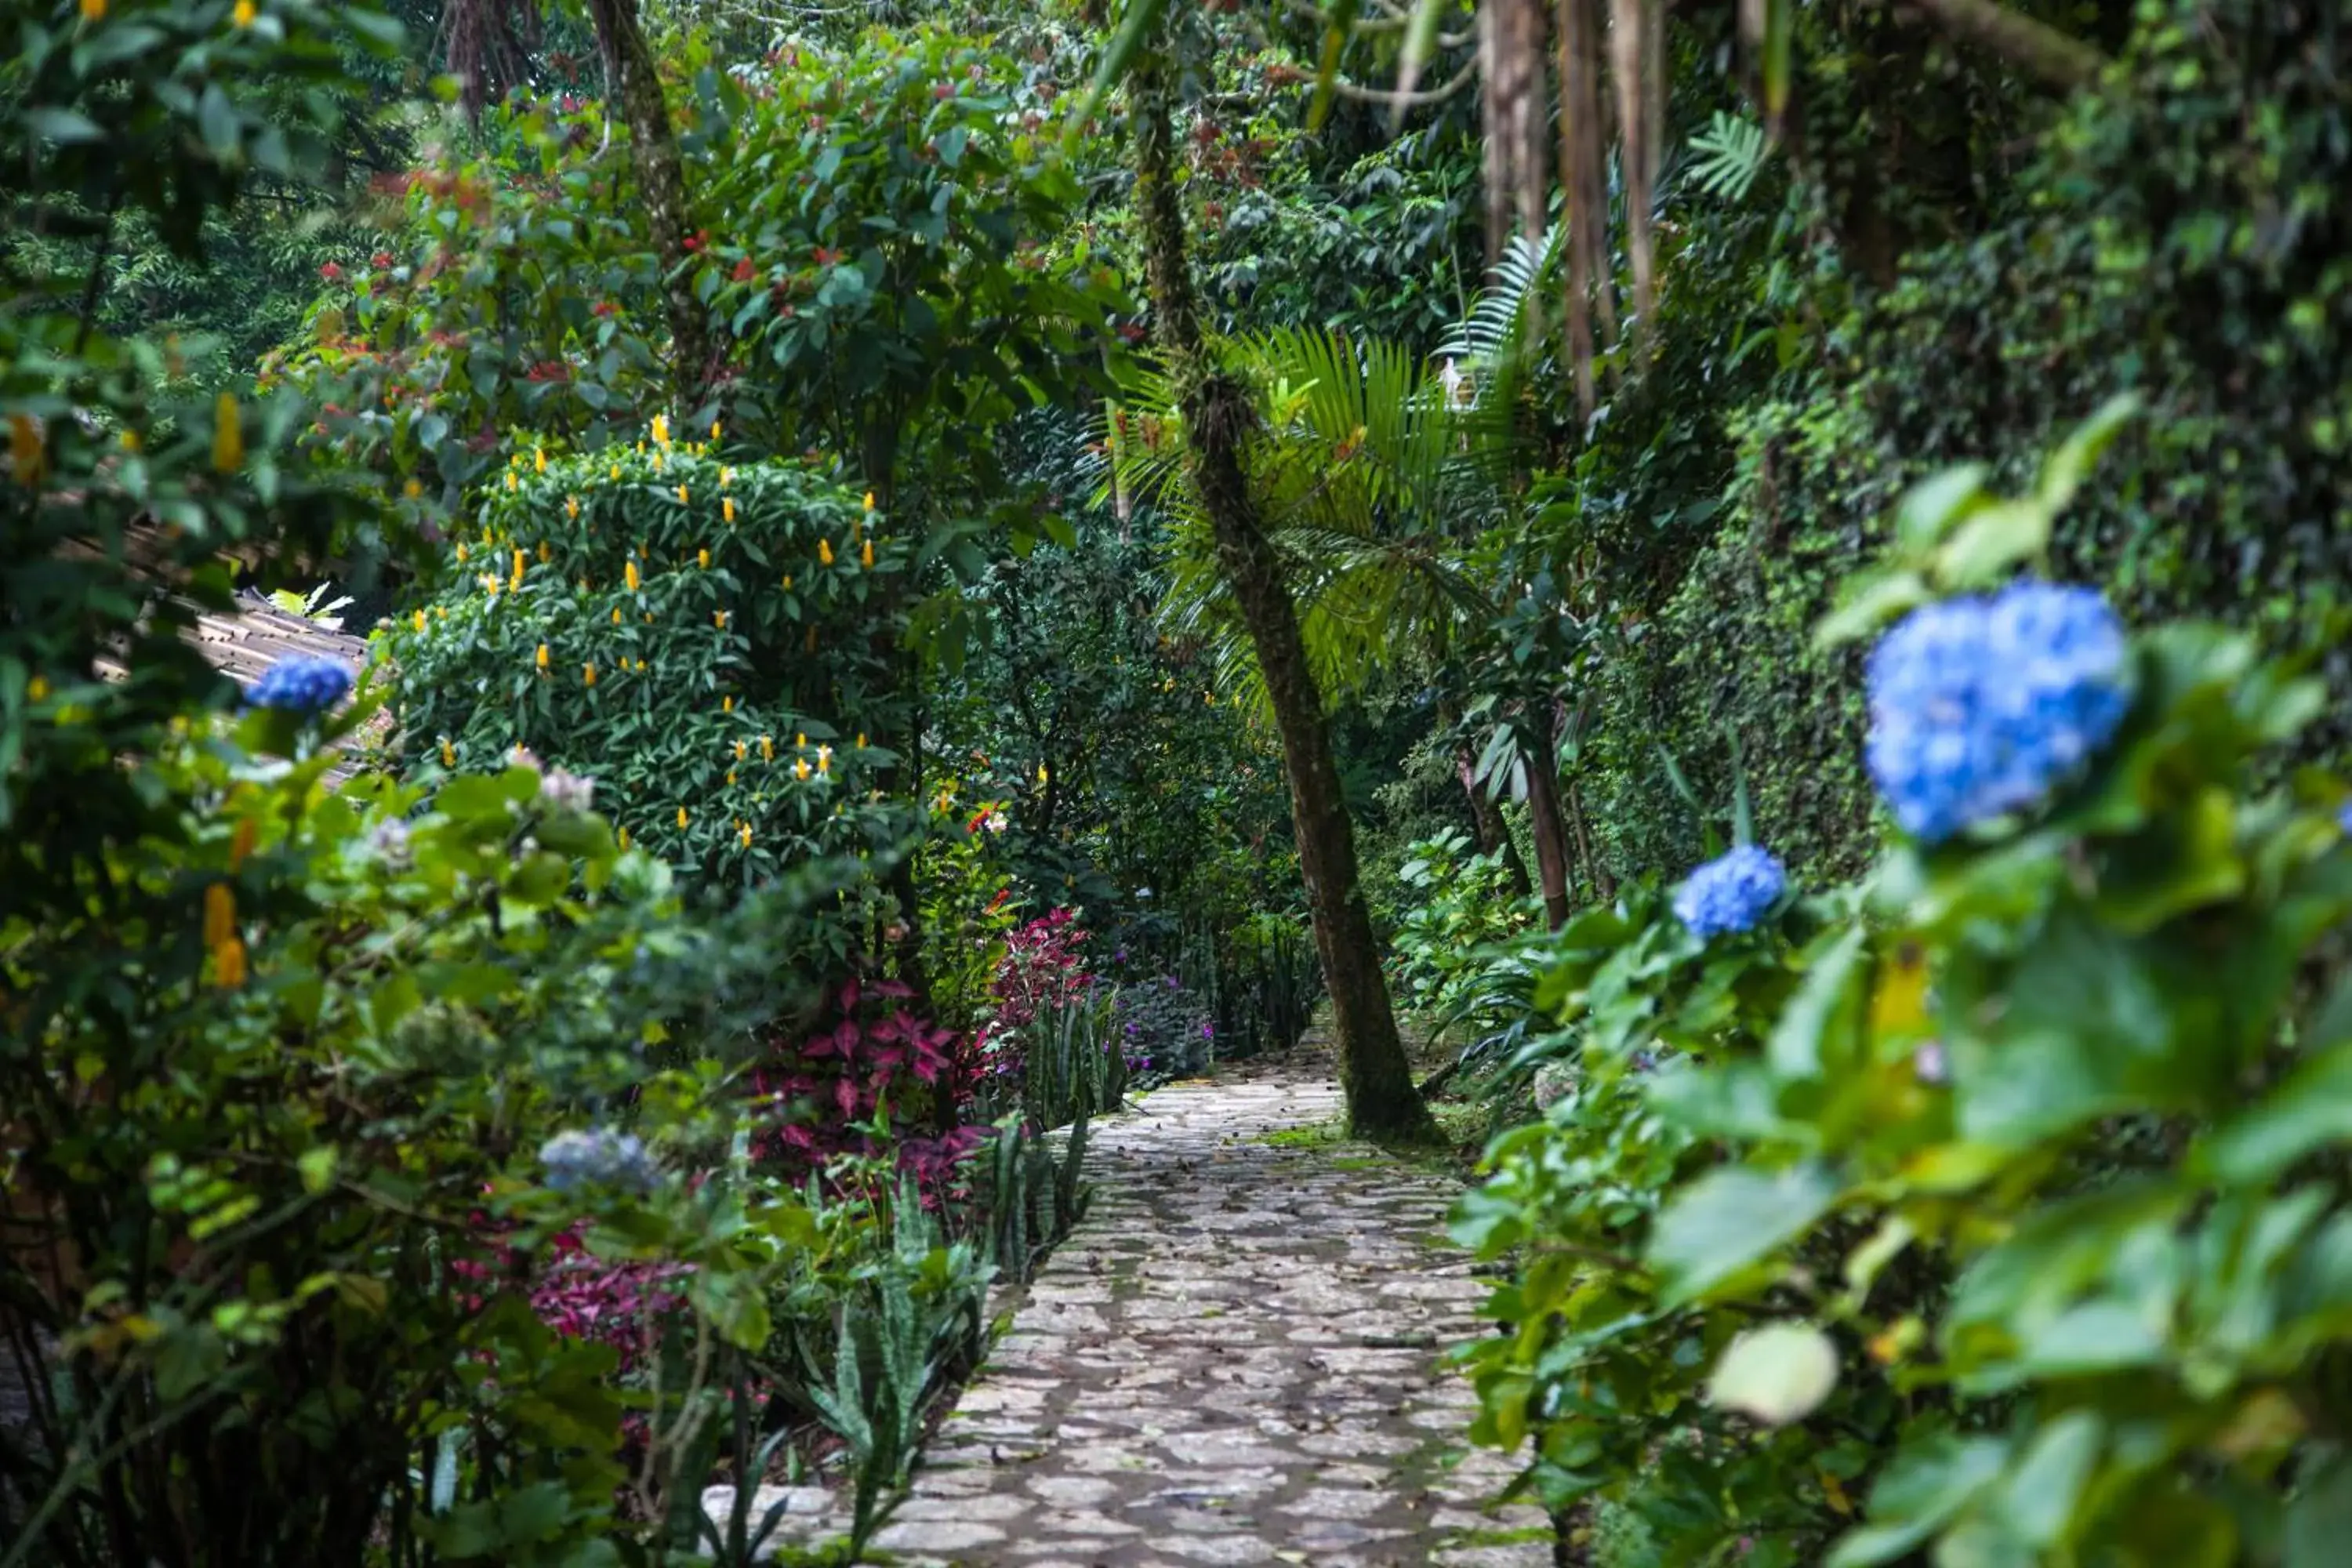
(2063, 472)
(1929, 509)
(1731, 1217)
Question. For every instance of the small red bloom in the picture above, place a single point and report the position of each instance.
(745, 271)
(380, 260)
(605, 307)
(698, 239)
(331, 273)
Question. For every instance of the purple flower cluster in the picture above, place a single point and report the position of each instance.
(1980, 704)
(304, 686)
(1730, 892)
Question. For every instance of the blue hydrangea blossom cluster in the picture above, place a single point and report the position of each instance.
(308, 687)
(598, 1157)
(1730, 892)
(1980, 704)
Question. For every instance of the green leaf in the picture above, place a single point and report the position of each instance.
(1994, 541)
(1775, 1374)
(2319, 1520)
(1794, 1050)
(1731, 1217)
(1868, 601)
(1929, 509)
(65, 126)
(2063, 472)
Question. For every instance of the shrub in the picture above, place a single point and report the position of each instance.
(1992, 1205)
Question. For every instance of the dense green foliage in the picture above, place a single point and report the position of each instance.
(806, 778)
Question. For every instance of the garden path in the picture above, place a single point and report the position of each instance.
(1233, 1360)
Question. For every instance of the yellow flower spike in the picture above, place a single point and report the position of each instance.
(727, 705)
(229, 958)
(543, 556)
(726, 477)
(588, 674)
(442, 611)
(788, 582)
(417, 620)
(616, 615)
(240, 843)
(541, 660)
(614, 472)
(800, 768)
(702, 558)
(823, 759)
(461, 551)
(681, 818)
(661, 429)
(866, 555)
(861, 740)
(514, 459)
(744, 833)
(629, 575)
(571, 507)
(718, 619)
(742, 750)
(1042, 774)
(93, 10)
(245, 14)
(801, 740)
(727, 509)
(37, 689)
(539, 459)
(681, 495)
(825, 552)
(220, 913)
(649, 621)
(869, 500)
(512, 482)
(624, 840)
(448, 753)
(715, 429)
(228, 434)
(519, 559)
(412, 489)
(730, 776)
(767, 748)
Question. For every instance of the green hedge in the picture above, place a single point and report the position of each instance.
(2181, 230)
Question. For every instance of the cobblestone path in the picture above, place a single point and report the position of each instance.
(1234, 1360)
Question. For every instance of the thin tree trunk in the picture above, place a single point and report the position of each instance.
(1493, 833)
(1550, 832)
(661, 186)
(1374, 1072)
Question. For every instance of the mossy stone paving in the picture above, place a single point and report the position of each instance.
(1234, 1360)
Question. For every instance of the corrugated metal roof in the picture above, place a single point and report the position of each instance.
(260, 634)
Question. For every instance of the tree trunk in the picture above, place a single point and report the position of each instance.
(1551, 831)
(1493, 833)
(661, 186)
(1374, 1072)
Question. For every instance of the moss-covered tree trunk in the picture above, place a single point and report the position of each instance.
(661, 186)
(1374, 1072)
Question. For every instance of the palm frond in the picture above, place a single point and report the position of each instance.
(1729, 156)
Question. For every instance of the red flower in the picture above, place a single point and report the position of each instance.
(745, 271)
(380, 260)
(1132, 332)
(943, 89)
(698, 239)
(605, 307)
(331, 273)
(826, 258)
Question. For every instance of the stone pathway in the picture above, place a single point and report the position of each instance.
(1234, 1360)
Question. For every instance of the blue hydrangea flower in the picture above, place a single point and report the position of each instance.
(599, 1157)
(2344, 817)
(1980, 704)
(1730, 892)
(308, 687)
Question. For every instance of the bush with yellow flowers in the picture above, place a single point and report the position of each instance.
(712, 641)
